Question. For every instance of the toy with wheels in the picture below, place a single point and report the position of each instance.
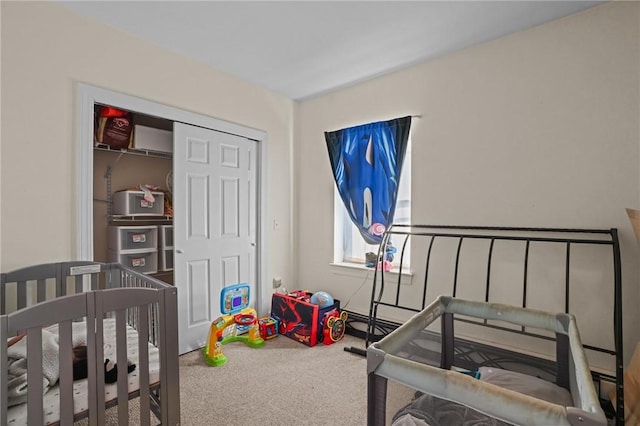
(334, 326)
(237, 319)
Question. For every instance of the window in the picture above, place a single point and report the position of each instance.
(349, 246)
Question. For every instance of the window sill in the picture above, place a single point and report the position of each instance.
(358, 270)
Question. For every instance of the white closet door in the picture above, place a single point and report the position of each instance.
(215, 221)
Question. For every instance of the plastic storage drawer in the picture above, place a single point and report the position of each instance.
(165, 233)
(166, 259)
(145, 262)
(132, 203)
(132, 237)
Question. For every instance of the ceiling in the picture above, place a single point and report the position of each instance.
(303, 49)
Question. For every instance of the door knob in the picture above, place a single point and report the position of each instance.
(253, 244)
(179, 251)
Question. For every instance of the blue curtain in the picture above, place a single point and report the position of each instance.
(366, 161)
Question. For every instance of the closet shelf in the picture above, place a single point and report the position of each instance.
(134, 151)
(138, 219)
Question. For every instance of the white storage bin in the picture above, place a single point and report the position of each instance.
(132, 203)
(151, 139)
(132, 237)
(145, 262)
(165, 233)
(165, 256)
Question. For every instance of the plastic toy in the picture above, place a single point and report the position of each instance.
(300, 295)
(322, 299)
(298, 318)
(237, 319)
(268, 327)
(334, 326)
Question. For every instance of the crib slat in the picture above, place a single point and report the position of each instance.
(66, 373)
(22, 294)
(163, 342)
(3, 294)
(153, 325)
(41, 290)
(94, 281)
(121, 359)
(170, 378)
(4, 376)
(79, 281)
(95, 351)
(143, 363)
(61, 281)
(34, 376)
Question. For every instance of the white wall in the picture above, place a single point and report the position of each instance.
(45, 50)
(540, 129)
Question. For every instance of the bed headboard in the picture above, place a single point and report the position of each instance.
(576, 271)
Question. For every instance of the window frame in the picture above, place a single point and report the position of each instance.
(342, 225)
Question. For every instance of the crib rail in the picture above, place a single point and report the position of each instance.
(66, 293)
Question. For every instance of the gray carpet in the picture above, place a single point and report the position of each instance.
(282, 383)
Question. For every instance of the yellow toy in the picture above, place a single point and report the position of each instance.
(237, 319)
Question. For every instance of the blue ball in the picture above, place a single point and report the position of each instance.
(322, 299)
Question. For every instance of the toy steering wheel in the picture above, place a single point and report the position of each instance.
(337, 326)
(244, 319)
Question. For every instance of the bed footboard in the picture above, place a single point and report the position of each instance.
(574, 271)
(117, 314)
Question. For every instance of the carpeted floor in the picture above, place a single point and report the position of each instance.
(282, 383)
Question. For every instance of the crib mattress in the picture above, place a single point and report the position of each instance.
(17, 415)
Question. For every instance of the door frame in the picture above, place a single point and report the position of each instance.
(87, 95)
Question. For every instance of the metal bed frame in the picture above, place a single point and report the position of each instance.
(470, 354)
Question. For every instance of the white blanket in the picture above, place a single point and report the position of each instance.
(17, 363)
(17, 415)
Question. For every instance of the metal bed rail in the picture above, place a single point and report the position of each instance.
(566, 238)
